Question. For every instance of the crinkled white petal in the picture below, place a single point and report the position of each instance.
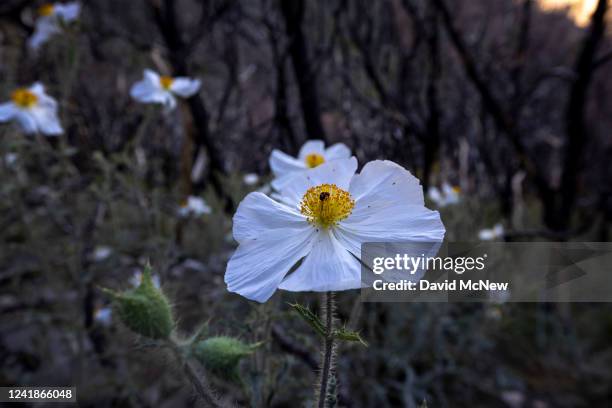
(312, 147)
(27, 121)
(44, 29)
(338, 172)
(258, 214)
(386, 180)
(68, 11)
(47, 120)
(284, 168)
(389, 221)
(329, 266)
(185, 87)
(7, 111)
(259, 265)
(337, 151)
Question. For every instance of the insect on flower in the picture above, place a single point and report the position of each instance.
(33, 109)
(325, 215)
(155, 88)
(312, 154)
(51, 16)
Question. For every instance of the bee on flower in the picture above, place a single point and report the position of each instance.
(51, 17)
(490, 234)
(161, 89)
(193, 207)
(448, 195)
(325, 215)
(312, 154)
(33, 110)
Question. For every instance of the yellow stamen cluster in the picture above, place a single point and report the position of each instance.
(45, 10)
(313, 160)
(24, 98)
(327, 204)
(456, 189)
(166, 82)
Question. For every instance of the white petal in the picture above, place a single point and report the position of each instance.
(337, 151)
(169, 102)
(67, 12)
(281, 163)
(386, 180)
(43, 30)
(47, 121)
(27, 121)
(389, 221)
(486, 235)
(152, 78)
(310, 147)
(258, 214)
(338, 172)
(7, 111)
(329, 266)
(433, 193)
(259, 265)
(185, 87)
(44, 100)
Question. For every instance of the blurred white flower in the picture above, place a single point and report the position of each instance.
(33, 109)
(136, 279)
(325, 215)
(449, 195)
(103, 316)
(50, 20)
(312, 154)
(154, 88)
(250, 179)
(489, 234)
(100, 253)
(194, 207)
(10, 159)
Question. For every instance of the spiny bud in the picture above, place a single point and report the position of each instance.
(145, 309)
(222, 354)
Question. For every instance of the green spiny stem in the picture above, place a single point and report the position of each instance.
(328, 348)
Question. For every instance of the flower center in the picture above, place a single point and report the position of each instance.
(326, 205)
(24, 98)
(166, 82)
(45, 10)
(313, 160)
(456, 189)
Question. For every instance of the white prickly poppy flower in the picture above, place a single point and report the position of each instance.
(325, 215)
(33, 109)
(161, 89)
(51, 16)
(194, 206)
(312, 154)
(447, 196)
(490, 234)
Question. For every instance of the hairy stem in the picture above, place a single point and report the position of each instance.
(198, 380)
(328, 349)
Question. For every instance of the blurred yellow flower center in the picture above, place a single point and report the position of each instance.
(166, 82)
(24, 98)
(313, 160)
(326, 205)
(456, 189)
(45, 10)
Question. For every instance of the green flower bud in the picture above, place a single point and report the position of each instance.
(222, 354)
(145, 309)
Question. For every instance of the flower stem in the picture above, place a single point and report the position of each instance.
(198, 381)
(328, 348)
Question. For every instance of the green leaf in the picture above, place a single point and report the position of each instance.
(310, 318)
(348, 335)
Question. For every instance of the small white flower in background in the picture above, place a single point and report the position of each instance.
(448, 196)
(50, 20)
(155, 88)
(489, 234)
(136, 279)
(250, 179)
(312, 154)
(100, 253)
(33, 109)
(325, 216)
(103, 316)
(10, 159)
(194, 207)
